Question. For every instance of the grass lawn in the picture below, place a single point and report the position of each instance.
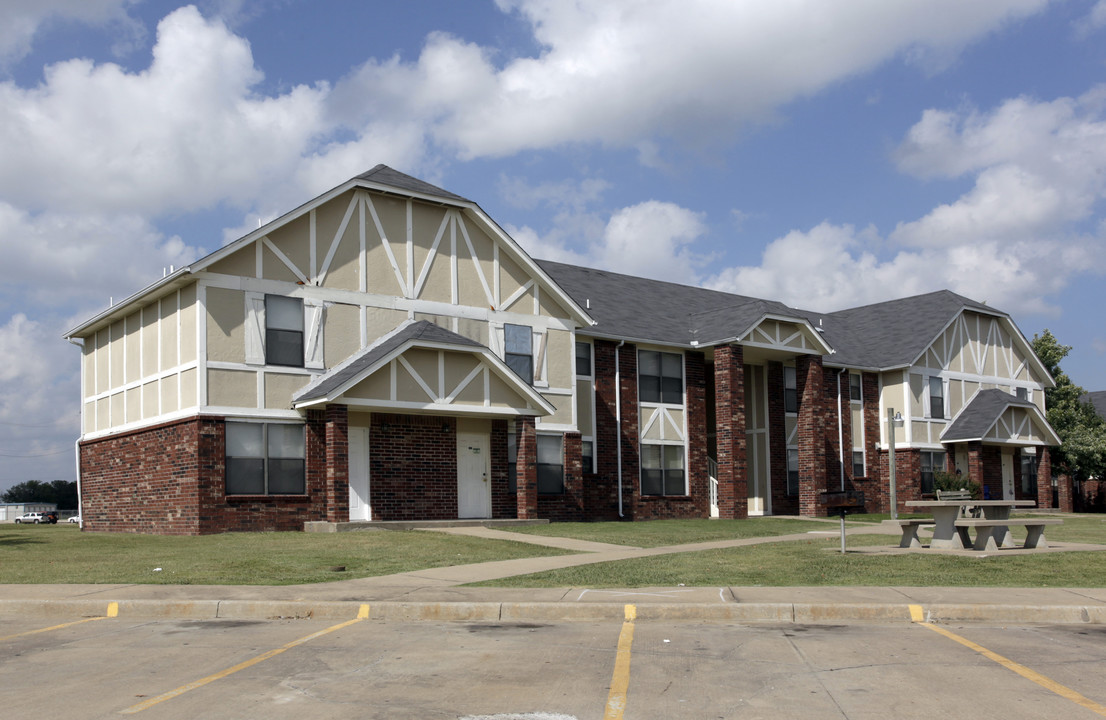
(63, 554)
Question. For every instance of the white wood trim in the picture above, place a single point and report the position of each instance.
(418, 378)
(454, 279)
(431, 256)
(517, 295)
(410, 241)
(475, 260)
(403, 286)
(284, 259)
(362, 248)
(312, 242)
(353, 204)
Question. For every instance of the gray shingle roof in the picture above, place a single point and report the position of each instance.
(387, 176)
(981, 413)
(637, 308)
(339, 375)
(892, 333)
(1098, 399)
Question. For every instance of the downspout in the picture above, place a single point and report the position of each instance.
(77, 442)
(618, 420)
(840, 430)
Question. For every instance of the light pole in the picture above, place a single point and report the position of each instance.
(893, 421)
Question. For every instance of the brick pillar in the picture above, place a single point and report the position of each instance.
(573, 476)
(1044, 478)
(729, 403)
(337, 463)
(527, 469)
(811, 434)
(697, 473)
(628, 434)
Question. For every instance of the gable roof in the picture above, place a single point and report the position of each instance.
(411, 334)
(984, 410)
(639, 309)
(1098, 400)
(387, 177)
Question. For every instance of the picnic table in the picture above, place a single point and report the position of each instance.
(950, 532)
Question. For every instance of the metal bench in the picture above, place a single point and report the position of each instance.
(986, 530)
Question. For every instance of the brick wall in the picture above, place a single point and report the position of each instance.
(568, 506)
(601, 488)
(729, 403)
(811, 434)
(413, 467)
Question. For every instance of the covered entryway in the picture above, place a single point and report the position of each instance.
(360, 507)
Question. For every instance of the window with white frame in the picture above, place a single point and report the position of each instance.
(932, 462)
(855, 391)
(792, 471)
(584, 372)
(662, 470)
(1022, 393)
(583, 359)
(790, 390)
(660, 377)
(518, 351)
(551, 475)
(587, 455)
(265, 459)
(936, 398)
(284, 331)
(1029, 471)
(858, 464)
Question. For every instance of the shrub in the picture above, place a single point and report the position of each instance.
(946, 481)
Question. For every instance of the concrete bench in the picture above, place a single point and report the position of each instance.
(910, 532)
(960, 496)
(987, 529)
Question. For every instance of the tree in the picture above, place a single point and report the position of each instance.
(62, 493)
(1082, 431)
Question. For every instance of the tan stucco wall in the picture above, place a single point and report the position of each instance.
(232, 388)
(342, 334)
(279, 389)
(226, 325)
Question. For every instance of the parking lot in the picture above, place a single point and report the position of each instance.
(365, 668)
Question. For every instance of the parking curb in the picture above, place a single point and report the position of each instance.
(507, 612)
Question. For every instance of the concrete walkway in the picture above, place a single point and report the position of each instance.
(437, 593)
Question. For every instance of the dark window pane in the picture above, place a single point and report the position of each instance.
(790, 400)
(672, 365)
(245, 476)
(522, 366)
(651, 482)
(674, 482)
(672, 390)
(284, 347)
(583, 358)
(858, 464)
(286, 476)
(649, 388)
(649, 363)
(936, 398)
(550, 479)
(854, 386)
(587, 455)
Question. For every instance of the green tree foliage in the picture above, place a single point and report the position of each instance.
(1082, 431)
(61, 492)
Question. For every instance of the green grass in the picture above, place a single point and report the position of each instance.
(819, 562)
(659, 533)
(63, 554)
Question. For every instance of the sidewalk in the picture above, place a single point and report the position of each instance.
(436, 594)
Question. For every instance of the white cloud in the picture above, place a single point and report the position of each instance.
(21, 20)
(186, 133)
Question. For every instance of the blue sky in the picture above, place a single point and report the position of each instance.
(825, 153)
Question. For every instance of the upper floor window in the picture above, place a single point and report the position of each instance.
(790, 391)
(1022, 393)
(792, 471)
(855, 393)
(936, 398)
(518, 351)
(660, 377)
(283, 331)
(264, 459)
(583, 359)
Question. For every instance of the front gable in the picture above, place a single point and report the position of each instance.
(990, 346)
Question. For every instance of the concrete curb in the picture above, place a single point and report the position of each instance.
(784, 613)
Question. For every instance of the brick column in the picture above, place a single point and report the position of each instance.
(629, 435)
(729, 403)
(697, 473)
(527, 469)
(811, 434)
(337, 463)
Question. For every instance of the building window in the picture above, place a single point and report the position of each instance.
(1029, 473)
(858, 464)
(551, 475)
(265, 459)
(1022, 393)
(587, 455)
(583, 359)
(931, 462)
(283, 331)
(662, 470)
(660, 377)
(512, 460)
(854, 387)
(936, 398)
(792, 471)
(790, 391)
(518, 351)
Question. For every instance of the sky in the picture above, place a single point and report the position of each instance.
(823, 153)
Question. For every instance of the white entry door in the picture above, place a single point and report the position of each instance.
(1007, 474)
(359, 507)
(474, 491)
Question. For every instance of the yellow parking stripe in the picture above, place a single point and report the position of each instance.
(916, 615)
(362, 614)
(620, 681)
(113, 611)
